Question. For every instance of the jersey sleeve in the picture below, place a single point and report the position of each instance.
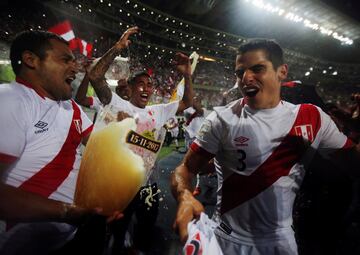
(209, 135)
(330, 136)
(117, 100)
(87, 124)
(14, 116)
(168, 111)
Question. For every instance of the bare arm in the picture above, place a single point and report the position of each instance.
(17, 205)
(97, 73)
(80, 96)
(183, 65)
(181, 187)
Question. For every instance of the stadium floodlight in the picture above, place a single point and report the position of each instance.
(262, 4)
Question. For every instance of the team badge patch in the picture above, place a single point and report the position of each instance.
(77, 124)
(306, 132)
(205, 128)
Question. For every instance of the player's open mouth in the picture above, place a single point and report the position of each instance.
(69, 80)
(144, 96)
(250, 91)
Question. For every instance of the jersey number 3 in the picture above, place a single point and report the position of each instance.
(241, 160)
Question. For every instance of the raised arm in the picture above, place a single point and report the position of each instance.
(80, 96)
(97, 73)
(181, 187)
(183, 65)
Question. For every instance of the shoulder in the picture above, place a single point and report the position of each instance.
(116, 100)
(309, 109)
(20, 104)
(15, 96)
(229, 111)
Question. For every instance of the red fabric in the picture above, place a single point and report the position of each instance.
(7, 159)
(238, 189)
(191, 118)
(289, 84)
(197, 149)
(61, 28)
(73, 44)
(87, 131)
(348, 144)
(150, 71)
(91, 101)
(50, 177)
(85, 47)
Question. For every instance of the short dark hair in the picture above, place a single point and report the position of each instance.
(37, 42)
(132, 79)
(272, 49)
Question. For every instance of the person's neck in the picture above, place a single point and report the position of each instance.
(134, 104)
(199, 110)
(35, 84)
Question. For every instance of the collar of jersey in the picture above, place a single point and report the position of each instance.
(29, 85)
(268, 111)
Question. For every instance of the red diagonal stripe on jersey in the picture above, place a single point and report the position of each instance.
(56, 171)
(239, 188)
(7, 159)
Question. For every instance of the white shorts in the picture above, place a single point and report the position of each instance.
(35, 238)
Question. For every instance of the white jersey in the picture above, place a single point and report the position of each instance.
(149, 123)
(173, 126)
(260, 157)
(149, 118)
(41, 139)
(194, 122)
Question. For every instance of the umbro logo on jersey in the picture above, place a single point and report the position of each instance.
(41, 127)
(41, 124)
(241, 141)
